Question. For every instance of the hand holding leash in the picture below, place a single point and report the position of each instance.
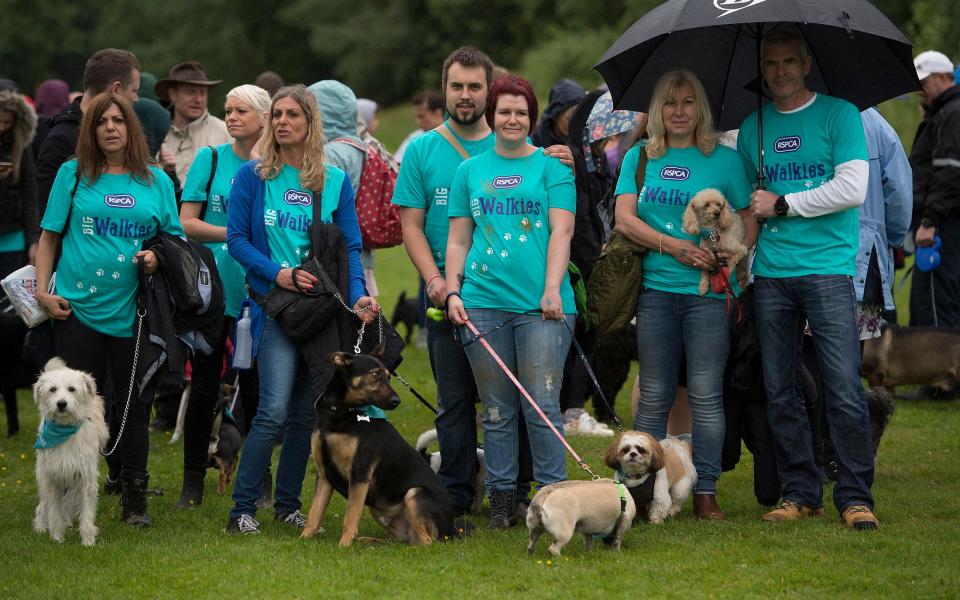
(455, 309)
(761, 204)
(366, 308)
(551, 306)
(295, 280)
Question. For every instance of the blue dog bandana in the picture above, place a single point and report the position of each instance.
(53, 434)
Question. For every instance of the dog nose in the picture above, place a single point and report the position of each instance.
(394, 401)
(61, 405)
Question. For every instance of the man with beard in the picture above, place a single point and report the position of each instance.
(423, 187)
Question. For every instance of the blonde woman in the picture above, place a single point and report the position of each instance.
(271, 208)
(203, 214)
(683, 158)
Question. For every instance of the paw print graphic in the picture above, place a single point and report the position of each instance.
(99, 272)
(298, 251)
(223, 247)
(285, 265)
(121, 258)
(504, 254)
(473, 266)
(484, 268)
(808, 183)
(538, 224)
(670, 226)
(93, 289)
(522, 238)
(774, 230)
(79, 285)
(115, 275)
(490, 251)
(135, 242)
(508, 236)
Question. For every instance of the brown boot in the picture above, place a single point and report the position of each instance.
(859, 516)
(791, 511)
(705, 507)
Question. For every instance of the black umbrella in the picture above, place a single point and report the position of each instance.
(857, 53)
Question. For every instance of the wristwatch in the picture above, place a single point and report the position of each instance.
(780, 206)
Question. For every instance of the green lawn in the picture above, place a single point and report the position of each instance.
(187, 554)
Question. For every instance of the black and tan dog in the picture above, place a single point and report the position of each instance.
(369, 463)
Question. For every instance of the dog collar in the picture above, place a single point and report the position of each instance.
(623, 496)
(53, 434)
(630, 480)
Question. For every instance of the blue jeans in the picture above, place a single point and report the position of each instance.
(534, 350)
(827, 303)
(286, 405)
(457, 419)
(668, 324)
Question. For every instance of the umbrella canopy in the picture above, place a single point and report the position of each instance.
(857, 53)
(604, 121)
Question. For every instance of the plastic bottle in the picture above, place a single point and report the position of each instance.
(242, 352)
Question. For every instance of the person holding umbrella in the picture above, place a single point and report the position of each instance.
(682, 157)
(815, 164)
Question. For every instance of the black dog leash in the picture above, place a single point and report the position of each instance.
(593, 377)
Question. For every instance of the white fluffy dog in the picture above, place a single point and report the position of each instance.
(72, 434)
(658, 474)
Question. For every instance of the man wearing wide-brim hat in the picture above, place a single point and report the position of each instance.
(192, 126)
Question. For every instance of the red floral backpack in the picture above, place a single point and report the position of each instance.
(379, 218)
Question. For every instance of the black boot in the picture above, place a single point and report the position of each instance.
(133, 500)
(192, 494)
(13, 417)
(501, 509)
(111, 487)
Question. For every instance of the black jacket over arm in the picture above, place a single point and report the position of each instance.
(59, 145)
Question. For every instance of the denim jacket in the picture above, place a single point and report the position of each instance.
(885, 215)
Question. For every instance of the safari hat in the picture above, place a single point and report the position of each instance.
(186, 72)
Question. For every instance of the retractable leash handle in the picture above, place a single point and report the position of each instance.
(536, 407)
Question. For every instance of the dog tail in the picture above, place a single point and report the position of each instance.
(426, 438)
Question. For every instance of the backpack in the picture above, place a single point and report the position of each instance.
(379, 217)
(614, 285)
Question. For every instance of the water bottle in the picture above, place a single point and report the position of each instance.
(242, 351)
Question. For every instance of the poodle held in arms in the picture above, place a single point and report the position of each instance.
(72, 435)
(721, 231)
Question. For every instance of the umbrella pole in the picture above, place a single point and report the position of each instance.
(760, 176)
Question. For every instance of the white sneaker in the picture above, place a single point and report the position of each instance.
(590, 426)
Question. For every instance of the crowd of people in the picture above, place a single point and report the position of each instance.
(495, 204)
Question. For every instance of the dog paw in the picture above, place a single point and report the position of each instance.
(88, 538)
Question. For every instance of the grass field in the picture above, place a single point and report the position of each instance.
(187, 554)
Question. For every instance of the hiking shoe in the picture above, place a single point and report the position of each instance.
(859, 516)
(192, 494)
(295, 518)
(243, 524)
(791, 511)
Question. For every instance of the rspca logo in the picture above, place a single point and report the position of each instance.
(789, 143)
(675, 173)
(119, 200)
(507, 183)
(297, 198)
(728, 7)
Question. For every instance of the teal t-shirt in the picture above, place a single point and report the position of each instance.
(425, 178)
(800, 151)
(288, 212)
(669, 183)
(509, 200)
(195, 190)
(108, 224)
(13, 241)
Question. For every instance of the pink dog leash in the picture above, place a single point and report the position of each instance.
(496, 357)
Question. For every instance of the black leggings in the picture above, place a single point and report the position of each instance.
(88, 350)
(204, 393)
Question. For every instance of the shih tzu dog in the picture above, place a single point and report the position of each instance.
(659, 475)
(72, 435)
(602, 507)
(720, 229)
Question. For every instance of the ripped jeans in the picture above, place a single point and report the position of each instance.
(534, 350)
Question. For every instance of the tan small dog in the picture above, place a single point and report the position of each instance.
(587, 507)
(659, 475)
(912, 355)
(709, 213)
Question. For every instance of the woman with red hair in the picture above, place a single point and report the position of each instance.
(511, 220)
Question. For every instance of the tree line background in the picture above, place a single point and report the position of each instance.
(385, 50)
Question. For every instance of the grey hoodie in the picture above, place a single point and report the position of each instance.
(338, 109)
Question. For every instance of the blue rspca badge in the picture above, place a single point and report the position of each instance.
(119, 200)
(675, 173)
(297, 198)
(507, 182)
(787, 143)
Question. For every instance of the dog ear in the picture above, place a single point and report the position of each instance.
(657, 461)
(341, 360)
(725, 216)
(379, 350)
(36, 389)
(54, 363)
(691, 224)
(91, 384)
(612, 459)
